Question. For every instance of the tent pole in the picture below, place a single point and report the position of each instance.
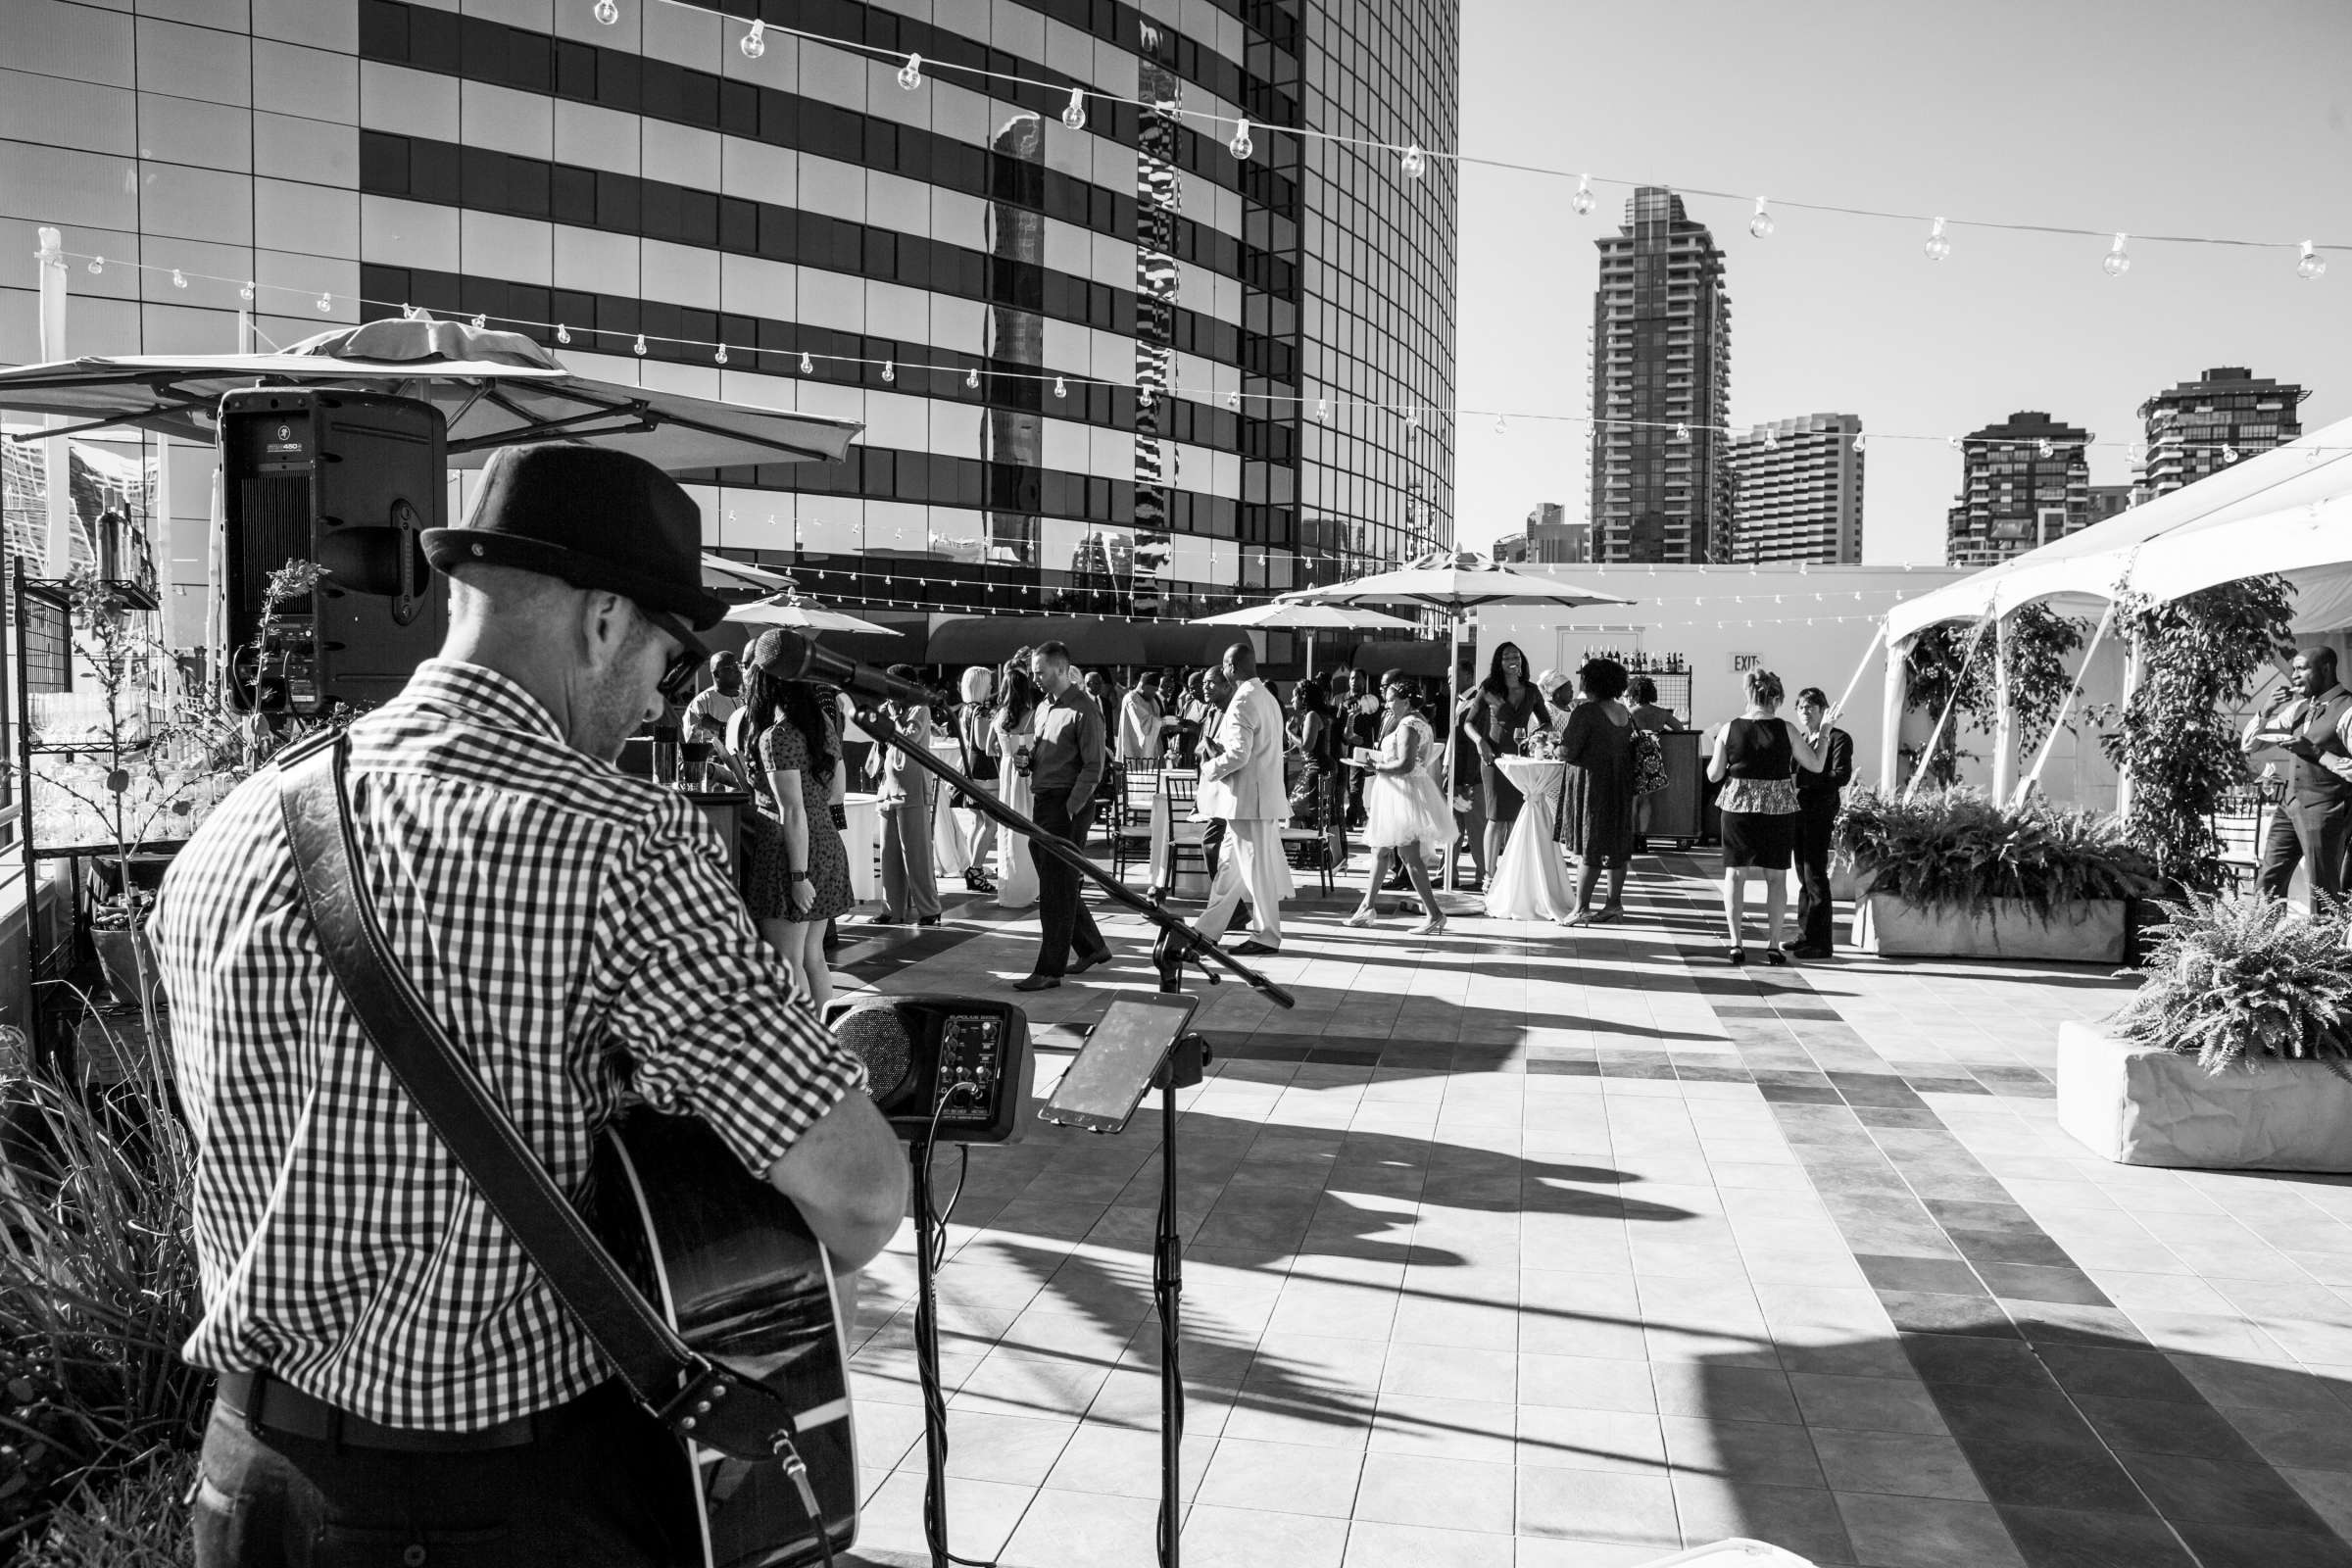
(2004, 718)
(1897, 694)
(2134, 667)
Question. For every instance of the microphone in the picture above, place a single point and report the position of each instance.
(823, 664)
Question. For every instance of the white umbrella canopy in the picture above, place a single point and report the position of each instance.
(1297, 616)
(737, 576)
(495, 389)
(789, 610)
(1455, 581)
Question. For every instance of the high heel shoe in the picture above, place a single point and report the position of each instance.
(1431, 927)
(1775, 956)
(1735, 955)
(1363, 916)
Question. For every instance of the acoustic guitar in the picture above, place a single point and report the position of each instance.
(742, 1279)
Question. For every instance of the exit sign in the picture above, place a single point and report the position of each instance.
(1742, 663)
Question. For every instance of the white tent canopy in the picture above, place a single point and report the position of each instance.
(2287, 509)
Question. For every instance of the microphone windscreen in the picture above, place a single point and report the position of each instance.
(878, 1037)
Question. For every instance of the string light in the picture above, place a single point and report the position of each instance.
(2313, 265)
(971, 379)
(246, 293)
(1761, 226)
(2046, 447)
(1074, 114)
(808, 365)
(719, 358)
(755, 42)
(1772, 442)
(1323, 410)
(1939, 244)
(889, 370)
(563, 333)
(1682, 432)
(910, 74)
(326, 302)
(639, 345)
(1241, 146)
(1061, 388)
(481, 321)
(1583, 202)
(2229, 454)
(97, 265)
(1859, 440)
(1415, 162)
(178, 279)
(606, 11)
(1232, 401)
(1499, 427)
(2118, 260)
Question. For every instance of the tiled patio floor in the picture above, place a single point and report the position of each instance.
(1538, 1248)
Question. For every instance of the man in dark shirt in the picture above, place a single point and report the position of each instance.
(1067, 758)
(1817, 801)
(2314, 824)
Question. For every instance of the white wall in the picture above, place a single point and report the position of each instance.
(1806, 625)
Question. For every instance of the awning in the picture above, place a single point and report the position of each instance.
(991, 639)
(2287, 509)
(1421, 660)
(1188, 643)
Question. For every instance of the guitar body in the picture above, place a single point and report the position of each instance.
(730, 1263)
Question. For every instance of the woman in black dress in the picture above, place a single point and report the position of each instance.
(1597, 793)
(1319, 795)
(788, 731)
(1642, 696)
(1756, 759)
(1495, 719)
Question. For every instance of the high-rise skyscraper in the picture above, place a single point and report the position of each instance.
(1661, 382)
(2023, 484)
(2192, 428)
(1797, 490)
(981, 268)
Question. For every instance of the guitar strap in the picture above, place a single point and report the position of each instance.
(700, 1401)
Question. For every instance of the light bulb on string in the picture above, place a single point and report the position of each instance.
(481, 321)
(247, 292)
(889, 370)
(1073, 115)
(606, 11)
(179, 279)
(1061, 388)
(808, 365)
(1761, 224)
(1232, 401)
(719, 358)
(1682, 432)
(755, 42)
(972, 378)
(1583, 201)
(1412, 418)
(2311, 266)
(2118, 260)
(638, 347)
(1500, 428)
(910, 74)
(1860, 440)
(1414, 163)
(1939, 244)
(326, 302)
(97, 265)
(1242, 146)
(1772, 442)
(563, 333)
(2229, 453)
(1323, 410)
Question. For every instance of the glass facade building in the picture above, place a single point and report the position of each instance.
(2024, 482)
(1089, 357)
(2192, 428)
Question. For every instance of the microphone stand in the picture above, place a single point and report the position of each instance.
(1176, 945)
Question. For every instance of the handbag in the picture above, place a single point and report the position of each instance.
(703, 1401)
(1649, 763)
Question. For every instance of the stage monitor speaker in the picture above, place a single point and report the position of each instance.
(349, 482)
(918, 1049)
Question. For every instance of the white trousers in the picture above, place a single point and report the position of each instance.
(1252, 859)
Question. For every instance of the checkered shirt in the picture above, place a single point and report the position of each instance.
(576, 932)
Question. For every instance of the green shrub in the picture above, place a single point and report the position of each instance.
(132, 1518)
(1953, 849)
(2235, 980)
(98, 1291)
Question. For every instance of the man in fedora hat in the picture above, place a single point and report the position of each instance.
(395, 1372)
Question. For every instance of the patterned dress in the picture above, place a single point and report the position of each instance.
(782, 748)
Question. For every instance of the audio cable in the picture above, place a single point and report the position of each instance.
(926, 1330)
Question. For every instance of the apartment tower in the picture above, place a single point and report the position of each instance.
(1797, 491)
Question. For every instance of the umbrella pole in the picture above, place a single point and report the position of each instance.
(1453, 700)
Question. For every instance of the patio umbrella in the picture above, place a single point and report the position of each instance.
(1456, 581)
(787, 608)
(1301, 616)
(494, 388)
(736, 576)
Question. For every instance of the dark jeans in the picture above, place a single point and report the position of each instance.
(604, 1487)
(1814, 909)
(2320, 833)
(1069, 926)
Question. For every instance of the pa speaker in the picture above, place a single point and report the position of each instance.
(956, 1068)
(348, 481)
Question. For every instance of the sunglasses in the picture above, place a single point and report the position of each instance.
(678, 677)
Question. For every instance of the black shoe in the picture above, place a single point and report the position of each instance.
(1735, 954)
(881, 917)
(1811, 954)
(978, 882)
(927, 919)
(1038, 982)
(1775, 957)
(1252, 949)
(1089, 963)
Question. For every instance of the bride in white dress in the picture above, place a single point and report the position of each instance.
(1405, 809)
(1013, 726)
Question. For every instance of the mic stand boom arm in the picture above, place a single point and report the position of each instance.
(1179, 942)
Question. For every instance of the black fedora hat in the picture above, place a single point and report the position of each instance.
(595, 518)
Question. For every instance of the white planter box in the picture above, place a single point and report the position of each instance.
(2089, 931)
(2143, 1106)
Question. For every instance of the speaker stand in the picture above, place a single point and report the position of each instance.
(1181, 1069)
(928, 1238)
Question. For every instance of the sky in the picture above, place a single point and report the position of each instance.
(2148, 117)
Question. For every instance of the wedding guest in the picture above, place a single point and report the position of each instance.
(1241, 785)
(981, 765)
(1495, 718)
(1641, 693)
(1142, 722)
(788, 730)
(903, 795)
(1009, 737)
(2313, 826)
(1756, 759)
(1817, 799)
(1360, 714)
(707, 714)
(1318, 795)
(1597, 793)
(1069, 754)
(1405, 809)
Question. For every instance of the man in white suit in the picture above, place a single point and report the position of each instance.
(1241, 782)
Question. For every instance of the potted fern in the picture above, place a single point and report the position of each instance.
(1948, 873)
(2234, 1055)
